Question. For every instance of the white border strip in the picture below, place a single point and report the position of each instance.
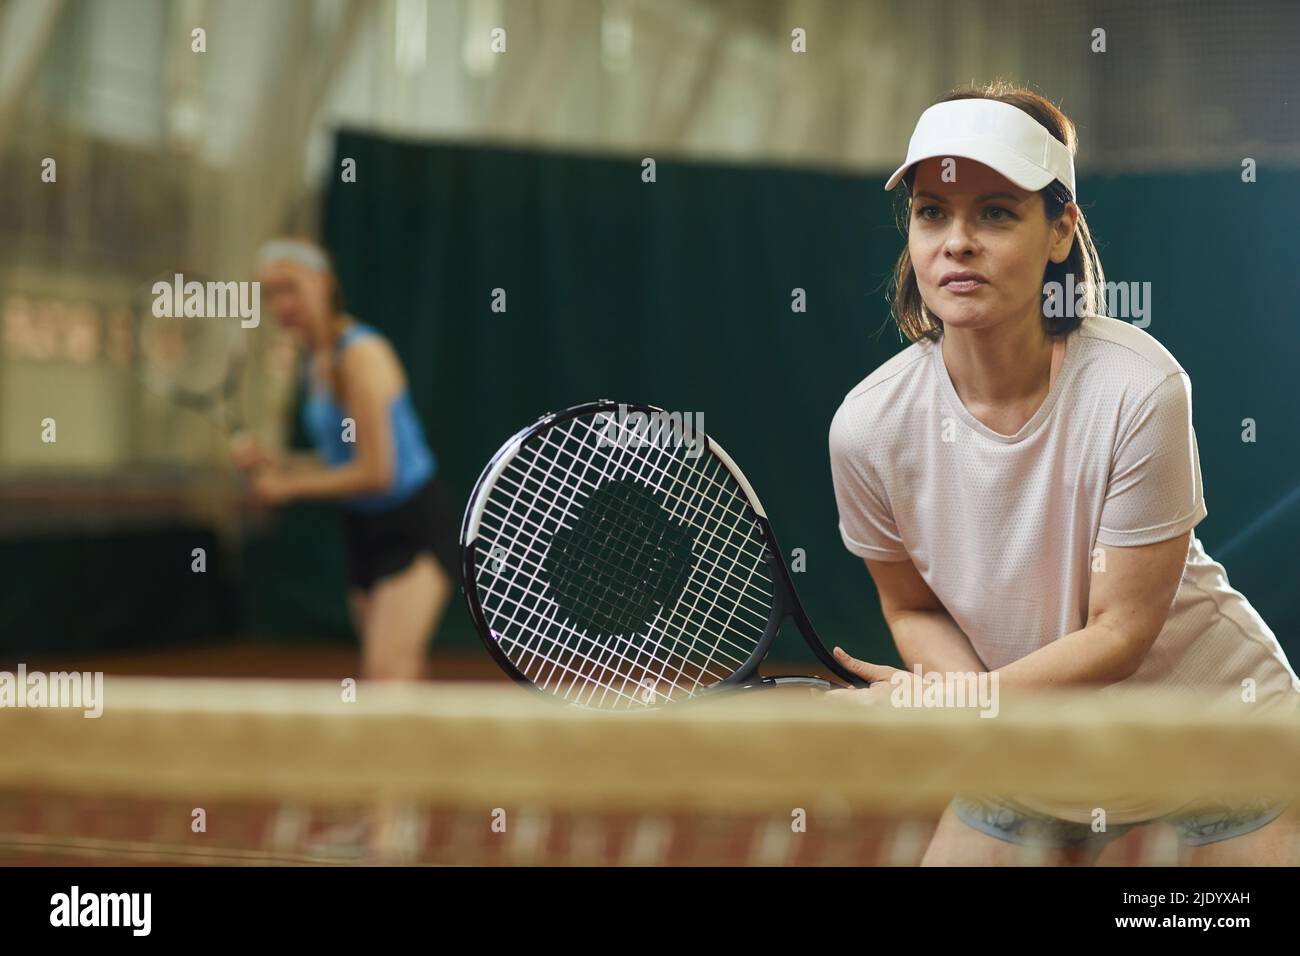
(740, 477)
(507, 456)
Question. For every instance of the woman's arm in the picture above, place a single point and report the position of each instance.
(297, 460)
(1128, 604)
(923, 630)
(371, 379)
(249, 454)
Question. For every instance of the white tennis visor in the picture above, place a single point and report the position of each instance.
(999, 135)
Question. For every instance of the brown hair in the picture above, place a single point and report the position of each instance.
(337, 301)
(916, 321)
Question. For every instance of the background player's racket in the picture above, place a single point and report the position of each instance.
(616, 574)
(195, 361)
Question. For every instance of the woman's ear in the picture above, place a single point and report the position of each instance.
(1063, 233)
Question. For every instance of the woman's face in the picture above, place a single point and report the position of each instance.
(980, 245)
(296, 295)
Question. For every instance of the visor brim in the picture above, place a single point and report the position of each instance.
(1016, 168)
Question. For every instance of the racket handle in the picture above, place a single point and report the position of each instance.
(816, 683)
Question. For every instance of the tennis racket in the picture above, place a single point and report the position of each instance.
(194, 360)
(614, 568)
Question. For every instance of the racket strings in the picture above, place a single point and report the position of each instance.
(533, 657)
(746, 601)
(622, 559)
(585, 668)
(534, 567)
(698, 636)
(565, 659)
(744, 653)
(751, 555)
(759, 614)
(685, 514)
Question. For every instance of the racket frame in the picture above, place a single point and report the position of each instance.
(221, 402)
(785, 599)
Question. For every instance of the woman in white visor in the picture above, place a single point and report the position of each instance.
(1022, 482)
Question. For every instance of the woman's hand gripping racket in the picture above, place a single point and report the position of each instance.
(619, 569)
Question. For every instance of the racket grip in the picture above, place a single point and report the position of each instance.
(817, 683)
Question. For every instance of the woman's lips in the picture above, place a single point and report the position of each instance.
(964, 286)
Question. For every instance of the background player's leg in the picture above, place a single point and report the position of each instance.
(359, 608)
(404, 610)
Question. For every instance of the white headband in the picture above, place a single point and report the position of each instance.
(294, 250)
(999, 135)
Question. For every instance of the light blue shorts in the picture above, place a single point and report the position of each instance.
(1206, 823)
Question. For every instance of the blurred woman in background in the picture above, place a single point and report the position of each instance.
(371, 457)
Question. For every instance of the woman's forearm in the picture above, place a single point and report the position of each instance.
(341, 481)
(933, 640)
(297, 461)
(1094, 655)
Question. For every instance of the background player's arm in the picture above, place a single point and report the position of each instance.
(371, 380)
(923, 630)
(250, 454)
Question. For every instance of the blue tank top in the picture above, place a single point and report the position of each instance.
(322, 416)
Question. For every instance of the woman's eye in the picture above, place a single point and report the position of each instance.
(1000, 213)
(925, 211)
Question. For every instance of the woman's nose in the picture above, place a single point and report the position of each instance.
(960, 239)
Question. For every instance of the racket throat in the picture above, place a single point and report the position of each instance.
(791, 680)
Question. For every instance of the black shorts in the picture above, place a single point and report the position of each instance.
(379, 544)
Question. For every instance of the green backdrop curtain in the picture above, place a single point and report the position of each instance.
(678, 293)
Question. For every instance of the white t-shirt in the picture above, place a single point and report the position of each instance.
(1003, 527)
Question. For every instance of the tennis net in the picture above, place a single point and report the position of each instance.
(263, 772)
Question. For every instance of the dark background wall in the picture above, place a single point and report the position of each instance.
(677, 293)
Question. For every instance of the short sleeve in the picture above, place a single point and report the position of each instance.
(866, 521)
(1154, 492)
